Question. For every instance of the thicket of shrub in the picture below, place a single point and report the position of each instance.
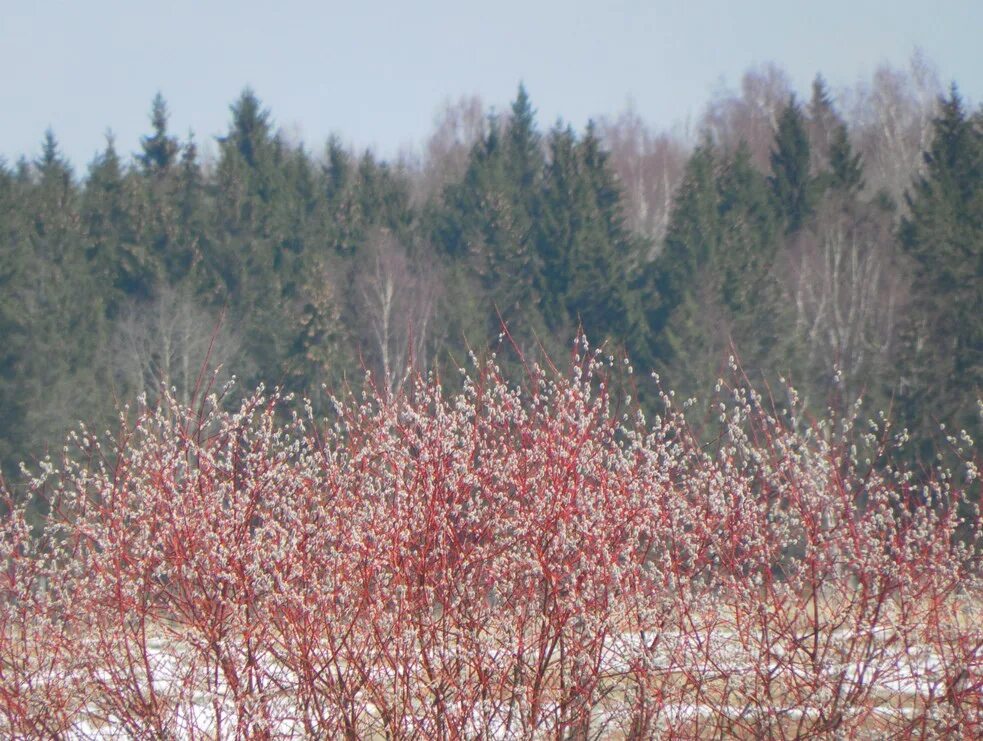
(507, 562)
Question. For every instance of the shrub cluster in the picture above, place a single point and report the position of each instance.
(506, 562)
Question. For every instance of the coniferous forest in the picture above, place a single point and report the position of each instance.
(831, 240)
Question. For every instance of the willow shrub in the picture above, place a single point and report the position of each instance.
(501, 562)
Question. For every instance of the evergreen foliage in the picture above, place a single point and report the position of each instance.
(821, 126)
(306, 256)
(790, 178)
(586, 252)
(845, 167)
(159, 150)
(111, 209)
(15, 266)
(943, 235)
(716, 278)
(490, 220)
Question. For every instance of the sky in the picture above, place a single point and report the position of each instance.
(377, 73)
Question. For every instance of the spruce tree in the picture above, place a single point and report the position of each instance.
(159, 151)
(109, 209)
(251, 131)
(790, 178)
(195, 229)
(611, 277)
(383, 198)
(64, 373)
(14, 324)
(565, 224)
(489, 221)
(943, 235)
(340, 217)
(680, 304)
(716, 280)
(845, 167)
(523, 145)
(693, 235)
(583, 245)
(161, 231)
(514, 263)
(749, 240)
(749, 288)
(248, 188)
(821, 125)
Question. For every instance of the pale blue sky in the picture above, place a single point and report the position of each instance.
(377, 72)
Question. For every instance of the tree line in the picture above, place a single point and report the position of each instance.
(833, 244)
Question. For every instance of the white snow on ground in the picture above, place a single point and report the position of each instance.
(900, 675)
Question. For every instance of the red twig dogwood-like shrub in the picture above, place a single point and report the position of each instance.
(503, 562)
